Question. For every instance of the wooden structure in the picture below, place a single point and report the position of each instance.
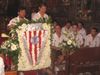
(84, 60)
(11, 73)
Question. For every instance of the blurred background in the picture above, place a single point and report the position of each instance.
(60, 11)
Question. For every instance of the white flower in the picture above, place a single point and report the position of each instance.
(13, 47)
(45, 26)
(5, 44)
(74, 44)
(64, 43)
(24, 24)
(69, 42)
(64, 32)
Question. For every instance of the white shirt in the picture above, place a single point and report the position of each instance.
(32, 15)
(1, 67)
(57, 40)
(78, 38)
(66, 31)
(98, 34)
(82, 32)
(14, 21)
(90, 42)
(38, 16)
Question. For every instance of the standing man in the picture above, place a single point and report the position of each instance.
(41, 13)
(20, 17)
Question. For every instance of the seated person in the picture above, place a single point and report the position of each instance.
(76, 36)
(67, 28)
(1, 65)
(57, 37)
(81, 30)
(92, 40)
(59, 62)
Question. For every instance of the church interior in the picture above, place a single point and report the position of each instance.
(74, 39)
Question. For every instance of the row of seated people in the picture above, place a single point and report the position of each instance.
(78, 32)
(71, 31)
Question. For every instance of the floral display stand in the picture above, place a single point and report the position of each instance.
(28, 47)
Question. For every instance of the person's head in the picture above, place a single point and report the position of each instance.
(33, 10)
(68, 24)
(22, 12)
(74, 27)
(57, 28)
(42, 8)
(80, 25)
(94, 31)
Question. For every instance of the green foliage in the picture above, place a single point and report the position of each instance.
(13, 39)
(45, 20)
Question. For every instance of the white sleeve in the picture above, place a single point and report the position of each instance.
(86, 41)
(79, 40)
(53, 40)
(98, 42)
(84, 34)
(35, 17)
(12, 22)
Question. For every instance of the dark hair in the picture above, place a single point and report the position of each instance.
(42, 4)
(67, 22)
(58, 25)
(81, 23)
(75, 24)
(21, 8)
(94, 28)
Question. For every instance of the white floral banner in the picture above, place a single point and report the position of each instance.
(34, 41)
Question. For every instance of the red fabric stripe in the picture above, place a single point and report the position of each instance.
(30, 44)
(35, 48)
(40, 39)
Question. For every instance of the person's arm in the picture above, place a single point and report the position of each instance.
(98, 42)
(86, 43)
(11, 24)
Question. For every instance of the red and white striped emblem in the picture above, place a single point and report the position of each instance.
(34, 43)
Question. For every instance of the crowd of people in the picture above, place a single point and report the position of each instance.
(78, 32)
(73, 30)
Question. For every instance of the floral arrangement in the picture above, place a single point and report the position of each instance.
(68, 45)
(13, 46)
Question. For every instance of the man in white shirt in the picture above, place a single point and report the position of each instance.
(41, 14)
(92, 40)
(57, 38)
(21, 16)
(76, 36)
(1, 66)
(67, 28)
(81, 30)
